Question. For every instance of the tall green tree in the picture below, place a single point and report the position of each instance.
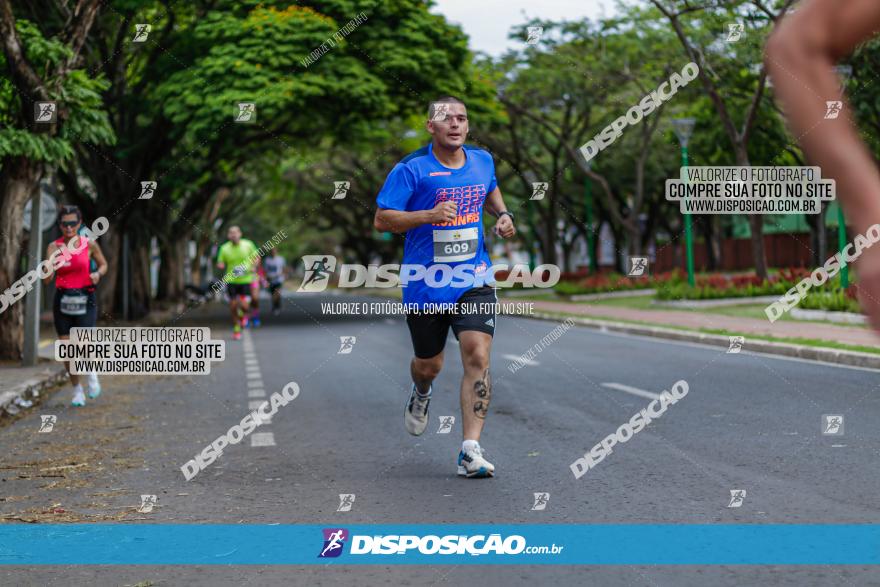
(40, 63)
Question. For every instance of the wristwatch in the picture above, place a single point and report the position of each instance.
(500, 214)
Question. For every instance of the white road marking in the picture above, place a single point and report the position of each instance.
(256, 390)
(262, 439)
(632, 390)
(255, 405)
(521, 360)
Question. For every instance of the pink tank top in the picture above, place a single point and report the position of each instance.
(74, 274)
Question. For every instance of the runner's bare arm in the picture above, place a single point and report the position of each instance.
(401, 221)
(96, 253)
(799, 56)
(495, 204)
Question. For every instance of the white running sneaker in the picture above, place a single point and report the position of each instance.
(415, 416)
(79, 398)
(94, 386)
(471, 464)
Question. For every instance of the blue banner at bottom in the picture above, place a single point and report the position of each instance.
(423, 544)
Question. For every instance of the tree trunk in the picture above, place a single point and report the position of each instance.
(140, 281)
(711, 236)
(202, 245)
(756, 224)
(111, 245)
(19, 180)
(172, 255)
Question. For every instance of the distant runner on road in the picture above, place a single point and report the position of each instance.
(436, 195)
(800, 56)
(237, 257)
(276, 269)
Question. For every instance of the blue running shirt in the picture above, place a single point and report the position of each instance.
(420, 182)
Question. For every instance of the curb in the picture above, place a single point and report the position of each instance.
(838, 317)
(27, 393)
(809, 353)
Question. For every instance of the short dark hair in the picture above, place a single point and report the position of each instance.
(68, 209)
(443, 100)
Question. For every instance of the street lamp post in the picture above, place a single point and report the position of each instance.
(844, 72)
(590, 230)
(684, 128)
(531, 178)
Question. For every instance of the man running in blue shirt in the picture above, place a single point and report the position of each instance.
(436, 195)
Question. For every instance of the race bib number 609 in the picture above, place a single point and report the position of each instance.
(454, 245)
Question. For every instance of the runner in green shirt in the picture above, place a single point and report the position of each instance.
(238, 257)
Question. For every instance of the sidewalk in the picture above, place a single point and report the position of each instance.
(23, 387)
(849, 335)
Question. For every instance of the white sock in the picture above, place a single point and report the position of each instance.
(78, 388)
(93, 380)
(469, 445)
(423, 395)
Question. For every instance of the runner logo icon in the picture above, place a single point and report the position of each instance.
(832, 109)
(247, 112)
(446, 424)
(334, 541)
(534, 34)
(737, 496)
(832, 424)
(638, 265)
(539, 190)
(735, 31)
(45, 112)
(148, 188)
(48, 423)
(541, 500)
(141, 32)
(340, 189)
(736, 344)
(346, 500)
(318, 269)
(147, 503)
(346, 344)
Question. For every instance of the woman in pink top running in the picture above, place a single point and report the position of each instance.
(75, 303)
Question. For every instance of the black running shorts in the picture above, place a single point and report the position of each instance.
(476, 310)
(64, 322)
(238, 289)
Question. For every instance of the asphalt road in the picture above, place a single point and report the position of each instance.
(749, 422)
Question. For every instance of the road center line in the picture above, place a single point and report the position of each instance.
(528, 362)
(632, 390)
(262, 439)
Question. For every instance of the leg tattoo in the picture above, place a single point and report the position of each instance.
(483, 391)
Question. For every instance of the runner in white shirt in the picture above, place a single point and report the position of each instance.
(275, 267)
